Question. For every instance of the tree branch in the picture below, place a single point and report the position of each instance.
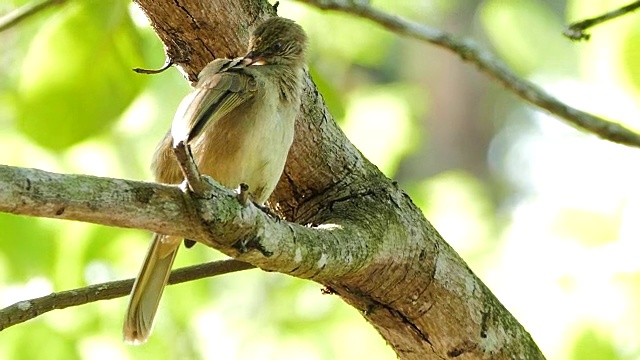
(576, 30)
(29, 309)
(241, 231)
(26, 11)
(364, 238)
(486, 62)
(348, 256)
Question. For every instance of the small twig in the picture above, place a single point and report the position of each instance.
(488, 63)
(576, 30)
(22, 13)
(189, 168)
(167, 64)
(29, 309)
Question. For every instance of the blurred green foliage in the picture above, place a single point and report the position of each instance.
(592, 345)
(525, 42)
(544, 214)
(89, 44)
(631, 56)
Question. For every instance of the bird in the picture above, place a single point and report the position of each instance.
(239, 122)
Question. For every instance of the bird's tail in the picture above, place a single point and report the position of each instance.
(148, 287)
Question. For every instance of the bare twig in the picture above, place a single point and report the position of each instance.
(486, 62)
(576, 30)
(29, 309)
(18, 15)
(167, 64)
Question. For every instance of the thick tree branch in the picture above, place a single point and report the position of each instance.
(29, 309)
(363, 237)
(370, 244)
(486, 62)
(243, 232)
(349, 256)
(576, 30)
(113, 202)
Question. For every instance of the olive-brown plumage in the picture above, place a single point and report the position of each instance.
(239, 122)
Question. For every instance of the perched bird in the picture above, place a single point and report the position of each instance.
(239, 121)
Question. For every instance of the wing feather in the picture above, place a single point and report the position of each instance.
(223, 86)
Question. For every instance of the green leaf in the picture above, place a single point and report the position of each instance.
(76, 79)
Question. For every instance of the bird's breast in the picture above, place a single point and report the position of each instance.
(249, 145)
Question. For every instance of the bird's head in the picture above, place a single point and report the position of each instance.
(277, 41)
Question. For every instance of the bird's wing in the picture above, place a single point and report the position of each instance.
(223, 85)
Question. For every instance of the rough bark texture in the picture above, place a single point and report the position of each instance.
(367, 241)
(412, 287)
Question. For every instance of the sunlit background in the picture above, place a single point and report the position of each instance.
(546, 215)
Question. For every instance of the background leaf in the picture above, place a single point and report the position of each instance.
(76, 78)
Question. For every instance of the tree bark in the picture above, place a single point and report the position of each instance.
(348, 226)
(412, 286)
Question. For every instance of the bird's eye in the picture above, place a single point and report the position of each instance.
(276, 47)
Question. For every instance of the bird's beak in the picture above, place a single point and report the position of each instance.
(252, 59)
